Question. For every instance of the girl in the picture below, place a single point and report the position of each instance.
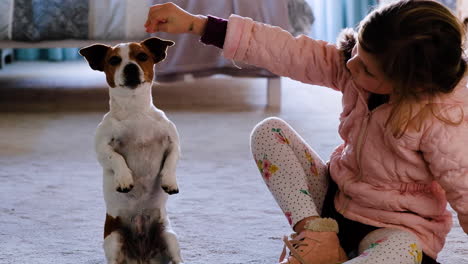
(404, 79)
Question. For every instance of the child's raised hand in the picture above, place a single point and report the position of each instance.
(171, 18)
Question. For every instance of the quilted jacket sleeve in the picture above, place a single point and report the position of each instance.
(300, 58)
(444, 148)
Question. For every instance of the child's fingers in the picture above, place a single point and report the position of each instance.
(163, 27)
(152, 28)
(154, 14)
(156, 20)
(150, 24)
(157, 26)
(158, 17)
(158, 12)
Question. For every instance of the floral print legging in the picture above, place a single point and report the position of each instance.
(297, 178)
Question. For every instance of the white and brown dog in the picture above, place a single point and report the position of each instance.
(138, 148)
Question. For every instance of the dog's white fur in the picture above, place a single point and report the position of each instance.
(138, 149)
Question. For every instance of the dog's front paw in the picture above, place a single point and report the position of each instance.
(124, 181)
(169, 183)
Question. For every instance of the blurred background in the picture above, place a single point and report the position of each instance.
(52, 210)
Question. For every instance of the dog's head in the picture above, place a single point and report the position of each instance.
(129, 64)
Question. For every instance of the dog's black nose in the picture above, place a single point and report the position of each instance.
(131, 68)
(132, 75)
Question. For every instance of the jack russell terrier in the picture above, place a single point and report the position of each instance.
(138, 149)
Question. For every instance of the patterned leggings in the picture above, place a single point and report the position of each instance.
(298, 180)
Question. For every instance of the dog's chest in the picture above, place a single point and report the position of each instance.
(138, 135)
(142, 142)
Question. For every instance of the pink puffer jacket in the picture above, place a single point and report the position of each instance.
(384, 181)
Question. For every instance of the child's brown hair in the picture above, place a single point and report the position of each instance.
(419, 46)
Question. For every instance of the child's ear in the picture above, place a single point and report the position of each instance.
(346, 41)
(158, 47)
(95, 55)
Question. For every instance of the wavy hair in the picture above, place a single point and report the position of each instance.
(419, 46)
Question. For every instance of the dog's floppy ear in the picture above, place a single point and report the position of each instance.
(95, 55)
(158, 47)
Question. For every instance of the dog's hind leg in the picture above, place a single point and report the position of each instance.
(113, 241)
(173, 249)
(113, 249)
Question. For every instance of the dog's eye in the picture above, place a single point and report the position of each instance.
(142, 56)
(115, 60)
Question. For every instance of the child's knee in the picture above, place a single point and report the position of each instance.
(399, 240)
(263, 129)
(388, 246)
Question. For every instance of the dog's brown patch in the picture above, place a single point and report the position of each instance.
(110, 69)
(146, 66)
(112, 224)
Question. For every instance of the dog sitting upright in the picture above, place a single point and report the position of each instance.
(138, 148)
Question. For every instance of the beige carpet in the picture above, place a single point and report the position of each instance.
(52, 209)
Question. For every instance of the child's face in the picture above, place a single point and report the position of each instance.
(367, 73)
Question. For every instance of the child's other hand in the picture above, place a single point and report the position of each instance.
(171, 18)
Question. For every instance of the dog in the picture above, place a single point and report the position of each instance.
(138, 149)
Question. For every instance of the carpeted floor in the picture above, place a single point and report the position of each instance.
(52, 209)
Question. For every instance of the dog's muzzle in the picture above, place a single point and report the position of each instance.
(131, 75)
